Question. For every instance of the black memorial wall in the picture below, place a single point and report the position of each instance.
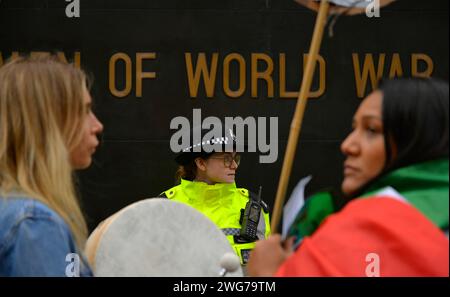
(154, 60)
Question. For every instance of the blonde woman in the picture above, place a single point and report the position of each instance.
(47, 130)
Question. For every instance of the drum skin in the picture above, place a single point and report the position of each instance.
(157, 237)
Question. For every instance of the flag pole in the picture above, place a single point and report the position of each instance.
(297, 120)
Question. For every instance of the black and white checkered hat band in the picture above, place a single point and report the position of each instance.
(219, 140)
(231, 231)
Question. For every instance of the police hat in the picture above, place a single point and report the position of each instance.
(225, 142)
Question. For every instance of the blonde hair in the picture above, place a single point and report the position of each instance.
(41, 113)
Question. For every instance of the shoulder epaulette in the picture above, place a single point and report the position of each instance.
(168, 194)
(244, 192)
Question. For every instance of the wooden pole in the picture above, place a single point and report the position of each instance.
(298, 115)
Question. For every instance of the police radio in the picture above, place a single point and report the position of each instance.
(250, 218)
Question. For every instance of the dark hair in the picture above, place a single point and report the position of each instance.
(415, 118)
(415, 123)
(187, 172)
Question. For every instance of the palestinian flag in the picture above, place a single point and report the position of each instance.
(398, 228)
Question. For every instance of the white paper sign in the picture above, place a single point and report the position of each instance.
(293, 206)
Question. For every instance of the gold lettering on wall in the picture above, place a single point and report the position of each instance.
(321, 89)
(282, 78)
(395, 69)
(256, 68)
(368, 71)
(201, 70)
(396, 66)
(226, 75)
(415, 58)
(61, 56)
(294, 94)
(112, 75)
(265, 75)
(141, 75)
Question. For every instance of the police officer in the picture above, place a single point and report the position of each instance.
(206, 176)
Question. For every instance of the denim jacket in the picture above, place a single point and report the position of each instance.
(35, 241)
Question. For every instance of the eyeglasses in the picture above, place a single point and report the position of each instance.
(228, 159)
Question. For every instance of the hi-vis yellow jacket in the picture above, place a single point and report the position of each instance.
(222, 204)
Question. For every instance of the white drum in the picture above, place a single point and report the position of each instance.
(159, 237)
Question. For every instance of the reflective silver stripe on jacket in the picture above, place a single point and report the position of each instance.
(231, 231)
(260, 231)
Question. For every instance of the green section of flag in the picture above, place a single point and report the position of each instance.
(315, 210)
(424, 185)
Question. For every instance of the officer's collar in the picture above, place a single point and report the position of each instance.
(203, 191)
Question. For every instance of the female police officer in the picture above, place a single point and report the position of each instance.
(206, 177)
